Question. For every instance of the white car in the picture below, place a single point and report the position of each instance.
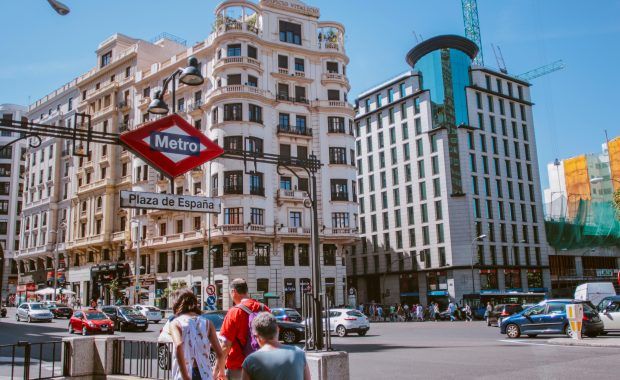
(33, 312)
(345, 321)
(609, 312)
(152, 313)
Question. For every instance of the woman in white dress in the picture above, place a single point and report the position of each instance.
(193, 337)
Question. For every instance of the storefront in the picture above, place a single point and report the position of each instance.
(488, 279)
(289, 292)
(105, 282)
(512, 280)
(409, 288)
(535, 281)
(437, 288)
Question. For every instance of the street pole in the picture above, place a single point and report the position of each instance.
(56, 266)
(317, 318)
(473, 286)
(137, 266)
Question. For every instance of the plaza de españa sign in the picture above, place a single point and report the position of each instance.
(175, 202)
(171, 145)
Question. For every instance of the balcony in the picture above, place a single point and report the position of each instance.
(336, 129)
(285, 97)
(340, 196)
(120, 236)
(123, 105)
(103, 112)
(335, 78)
(237, 61)
(92, 186)
(294, 130)
(257, 191)
(237, 89)
(195, 108)
(294, 231)
(233, 228)
(295, 196)
(231, 190)
(197, 171)
(332, 104)
(106, 88)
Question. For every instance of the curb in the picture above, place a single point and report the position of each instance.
(585, 343)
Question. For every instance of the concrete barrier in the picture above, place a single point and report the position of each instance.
(89, 357)
(332, 365)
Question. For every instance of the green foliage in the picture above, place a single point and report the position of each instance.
(617, 203)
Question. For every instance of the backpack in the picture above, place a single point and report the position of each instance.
(251, 344)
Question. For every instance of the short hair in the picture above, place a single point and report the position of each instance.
(265, 325)
(185, 302)
(239, 285)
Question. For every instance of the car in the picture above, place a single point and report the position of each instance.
(90, 321)
(595, 291)
(60, 310)
(344, 321)
(549, 317)
(33, 312)
(152, 313)
(291, 332)
(126, 317)
(286, 314)
(502, 311)
(609, 312)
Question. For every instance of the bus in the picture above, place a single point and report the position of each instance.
(478, 302)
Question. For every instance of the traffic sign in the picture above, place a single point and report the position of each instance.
(210, 290)
(210, 307)
(171, 145)
(158, 201)
(211, 300)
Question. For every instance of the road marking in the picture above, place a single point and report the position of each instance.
(535, 344)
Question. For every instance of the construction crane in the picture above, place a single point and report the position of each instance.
(472, 27)
(499, 58)
(542, 70)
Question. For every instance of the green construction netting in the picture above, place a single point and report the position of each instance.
(584, 224)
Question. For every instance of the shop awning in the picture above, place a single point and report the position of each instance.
(270, 295)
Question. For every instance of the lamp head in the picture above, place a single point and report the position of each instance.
(59, 7)
(191, 75)
(481, 237)
(157, 105)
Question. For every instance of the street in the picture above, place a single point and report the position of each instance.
(414, 350)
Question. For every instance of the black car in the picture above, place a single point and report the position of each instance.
(126, 317)
(60, 310)
(286, 314)
(291, 332)
(502, 311)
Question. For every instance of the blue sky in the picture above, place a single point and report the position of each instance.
(41, 50)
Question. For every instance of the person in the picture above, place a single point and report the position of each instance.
(78, 302)
(420, 313)
(235, 331)
(380, 313)
(467, 310)
(192, 339)
(431, 311)
(452, 310)
(487, 313)
(392, 315)
(273, 361)
(93, 304)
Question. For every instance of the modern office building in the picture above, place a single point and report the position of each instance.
(582, 223)
(449, 190)
(11, 189)
(275, 82)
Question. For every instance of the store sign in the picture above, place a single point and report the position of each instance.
(158, 201)
(171, 145)
(293, 5)
(607, 272)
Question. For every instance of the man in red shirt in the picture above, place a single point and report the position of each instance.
(235, 330)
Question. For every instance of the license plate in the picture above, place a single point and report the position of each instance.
(139, 323)
(104, 328)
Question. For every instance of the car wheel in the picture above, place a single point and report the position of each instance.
(341, 331)
(143, 329)
(84, 331)
(568, 331)
(71, 329)
(512, 331)
(289, 336)
(532, 335)
(362, 332)
(163, 357)
(17, 317)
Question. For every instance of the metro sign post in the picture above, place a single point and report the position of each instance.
(171, 145)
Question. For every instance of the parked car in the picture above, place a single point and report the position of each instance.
(502, 311)
(286, 314)
(609, 312)
(126, 317)
(549, 317)
(152, 313)
(60, 310)
(90, 322)
(345, 321)
(33, 312)
(595, 291)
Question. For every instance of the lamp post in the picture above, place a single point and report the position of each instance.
(473, 284)
(190, 76)
(62, 226)
(137, 264)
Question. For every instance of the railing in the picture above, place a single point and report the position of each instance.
(236, 88)
(257, 191)
(26, 360)
(233, 190)
(283, 96)
(150, 360)
(294, 130)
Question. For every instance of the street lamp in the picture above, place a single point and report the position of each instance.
(190, 76)
(62, 226)
(59, 7)
(137, 264)
(479, 238)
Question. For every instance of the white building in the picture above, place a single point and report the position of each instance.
(11, 189)
(447, 153)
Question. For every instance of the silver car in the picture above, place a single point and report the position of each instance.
(33, 312)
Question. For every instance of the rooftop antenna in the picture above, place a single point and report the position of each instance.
(499, 58)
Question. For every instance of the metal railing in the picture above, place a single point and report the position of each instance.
(25, 360)
(308, 306)
(150, 360)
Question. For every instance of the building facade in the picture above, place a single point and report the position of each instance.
(446, 153)
(11, 189)
(275, 82)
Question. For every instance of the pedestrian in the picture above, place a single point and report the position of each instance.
(467, 310)
(380, 313)
(273, 361)
(420, 313)
(93, 304)
(238, 340)
(487, 313)
(392, 315)
(193, 338)
(431, 311)
(452, 310)
(400, 313)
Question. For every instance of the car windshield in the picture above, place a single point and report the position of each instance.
(151, 309)
(95, 316)
(216, 318)
(129, 311)
(355, 313)
(37, 306)
(293, 313)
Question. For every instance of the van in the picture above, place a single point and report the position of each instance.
(594, 291)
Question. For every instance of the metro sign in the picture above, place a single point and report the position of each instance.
(171, 145)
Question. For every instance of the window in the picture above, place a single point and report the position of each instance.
(231, 79)
(337, 125)
(233, 50)
(233, 112)
(256, 113)
(238, 254)
(294, 219)
(233, 215)
(261, 252)
(300, 65)
(331, 67)
(106, 59)
(290, 33)
(233, 182)
(257, 216)
(256, 184)
(282, 62)
(333, 95)
(289, 254)
(340, 220)
(339, 190)
(337, 155)
(329, 254)
(303, 252)
(252, 53)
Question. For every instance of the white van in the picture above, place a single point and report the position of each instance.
(594, 291)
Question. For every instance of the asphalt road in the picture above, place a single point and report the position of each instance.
(428, 350)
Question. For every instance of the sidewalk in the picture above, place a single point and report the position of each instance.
(613, 342)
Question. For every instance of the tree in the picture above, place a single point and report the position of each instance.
(617, 203)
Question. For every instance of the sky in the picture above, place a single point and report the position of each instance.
(573, 107)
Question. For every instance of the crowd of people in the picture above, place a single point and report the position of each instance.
(416, 312)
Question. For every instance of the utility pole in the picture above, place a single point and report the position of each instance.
(317, 318)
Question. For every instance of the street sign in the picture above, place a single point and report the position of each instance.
(211, 307)
(211, 300)
(158, 201)
(210, 290)
(171, 145)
